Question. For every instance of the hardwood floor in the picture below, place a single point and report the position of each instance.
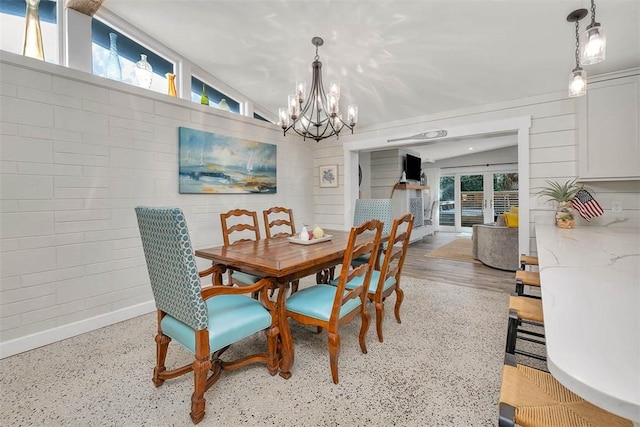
(454, 272)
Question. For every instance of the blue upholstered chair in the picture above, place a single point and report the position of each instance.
(244, 224)
(367, 209)
(205, 321)
(387, 280)
(328, 307)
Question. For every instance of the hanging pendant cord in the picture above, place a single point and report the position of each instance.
(593, 13)
(577, 44)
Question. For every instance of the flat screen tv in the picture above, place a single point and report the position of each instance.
(413, 167)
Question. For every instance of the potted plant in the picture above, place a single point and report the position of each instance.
(562, 194)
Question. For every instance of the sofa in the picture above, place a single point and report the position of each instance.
(496, 245)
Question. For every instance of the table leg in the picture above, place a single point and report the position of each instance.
(286, 343)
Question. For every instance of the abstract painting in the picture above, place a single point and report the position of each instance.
(217, 164)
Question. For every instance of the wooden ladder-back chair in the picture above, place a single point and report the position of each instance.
(387, 280)
(278, 222)
(205, 321)
(244, 224)
(275, 219)
(328, 307)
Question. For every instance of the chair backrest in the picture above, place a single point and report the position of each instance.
(380, 209)
(237, 221)
(396, 250)
(171, 264)
(364, 239)
(275, 219)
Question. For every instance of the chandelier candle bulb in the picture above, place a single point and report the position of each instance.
(294, 108)
(300, 91)
(352, 114)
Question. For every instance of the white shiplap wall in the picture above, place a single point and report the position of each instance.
(78, 153)
(552, 155)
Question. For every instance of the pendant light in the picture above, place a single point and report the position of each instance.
(578, 77)
(594, 42)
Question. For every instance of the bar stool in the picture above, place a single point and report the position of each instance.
(528, 311)
(528, 278)
(526, 260)
(533, 398)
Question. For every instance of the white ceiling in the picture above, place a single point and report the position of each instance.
(395, 59)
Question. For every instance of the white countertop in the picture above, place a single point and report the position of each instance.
(590, 280)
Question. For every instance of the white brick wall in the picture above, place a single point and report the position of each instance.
(78, 153)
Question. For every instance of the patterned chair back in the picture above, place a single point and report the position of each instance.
(171, 264)
(380, 209)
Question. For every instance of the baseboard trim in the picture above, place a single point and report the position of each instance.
(39, 339)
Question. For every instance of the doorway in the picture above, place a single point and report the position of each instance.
(382, 139)
(475, 198)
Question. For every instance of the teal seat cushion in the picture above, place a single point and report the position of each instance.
(249, 279)
(317, 301)
(231, 318)
(373, 285)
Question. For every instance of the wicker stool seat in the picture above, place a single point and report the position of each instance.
(527, 260)
(533, 398)
(526, 278)
(528, 311)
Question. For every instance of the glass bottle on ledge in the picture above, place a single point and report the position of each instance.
(144, 72)
(171, 82)
(114, 69)
(204, 99)
(32, 33)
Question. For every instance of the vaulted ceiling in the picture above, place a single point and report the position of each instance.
(395, 59)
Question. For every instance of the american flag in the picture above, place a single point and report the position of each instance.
(586, 205)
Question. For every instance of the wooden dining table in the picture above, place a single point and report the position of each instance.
(285, 261)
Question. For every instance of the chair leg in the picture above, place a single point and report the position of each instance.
(365, 320)
(379, 319)
(512, 331)
(334, 352)
(162, 345)
(399, 299)
(272, 349)
(201, 367)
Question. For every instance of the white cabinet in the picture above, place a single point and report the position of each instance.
(609, 129)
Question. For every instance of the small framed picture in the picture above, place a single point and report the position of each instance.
(329, 176)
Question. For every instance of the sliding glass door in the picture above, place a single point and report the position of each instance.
(475, 198)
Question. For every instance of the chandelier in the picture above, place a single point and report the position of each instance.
(320, 117)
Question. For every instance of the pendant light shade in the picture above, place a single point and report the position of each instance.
(577, 82)
(578, 77)
(594, 42)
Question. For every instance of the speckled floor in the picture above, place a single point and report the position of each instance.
(440, 367)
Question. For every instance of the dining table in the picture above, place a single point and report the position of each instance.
(285, 259)
(590, 283)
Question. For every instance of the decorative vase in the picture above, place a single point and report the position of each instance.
(114, 69)
(171, 81)
(223, 105)
(204, 99)
(144, 72)
(564, 215)
(32, 33)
